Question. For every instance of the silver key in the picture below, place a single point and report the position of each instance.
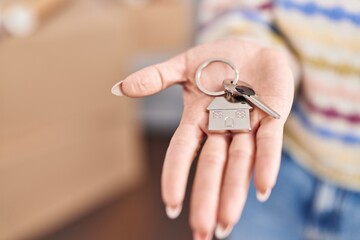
(229, 114)
(244, 90)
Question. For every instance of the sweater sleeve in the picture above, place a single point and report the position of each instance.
(251, 19)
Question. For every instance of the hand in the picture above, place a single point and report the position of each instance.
(226, 161)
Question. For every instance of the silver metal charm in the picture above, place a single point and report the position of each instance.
(229, 116)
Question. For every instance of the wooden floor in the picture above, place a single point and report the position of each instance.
(139, 215)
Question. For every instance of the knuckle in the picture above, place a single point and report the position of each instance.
(142, 84)
(179, 142)
(234, 184)
(270, 135)
(266, 136)
(240, 154)
(147, 80)
(212, 159)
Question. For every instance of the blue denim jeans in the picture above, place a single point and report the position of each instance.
(300, 207)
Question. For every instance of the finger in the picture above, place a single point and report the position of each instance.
(236, 182)
(179, 157)
(268, 156)
(206, 189)
(152, 79)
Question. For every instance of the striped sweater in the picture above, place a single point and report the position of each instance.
(323, 129)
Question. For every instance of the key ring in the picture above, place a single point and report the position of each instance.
(204, 65)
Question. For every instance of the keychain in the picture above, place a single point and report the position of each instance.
(230, 110)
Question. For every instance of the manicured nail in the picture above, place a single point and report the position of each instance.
(222, 232)
(199, 236)
(173, 212)
(116, 89)
(263, 196)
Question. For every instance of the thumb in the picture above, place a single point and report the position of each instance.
(152, 79)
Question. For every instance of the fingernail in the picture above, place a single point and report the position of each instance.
(263, 196)
(222, 232)
(173, 212)
(116, 89)
(199, 236)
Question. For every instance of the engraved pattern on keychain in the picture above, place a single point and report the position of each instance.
(226, 115)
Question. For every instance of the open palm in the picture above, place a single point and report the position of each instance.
(227, 161)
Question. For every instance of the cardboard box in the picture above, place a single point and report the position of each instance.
(66, 144)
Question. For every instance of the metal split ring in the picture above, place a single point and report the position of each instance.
(204, 65)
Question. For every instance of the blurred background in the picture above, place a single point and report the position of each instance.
(75, 161)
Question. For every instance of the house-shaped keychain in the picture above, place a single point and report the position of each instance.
(229, 116)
